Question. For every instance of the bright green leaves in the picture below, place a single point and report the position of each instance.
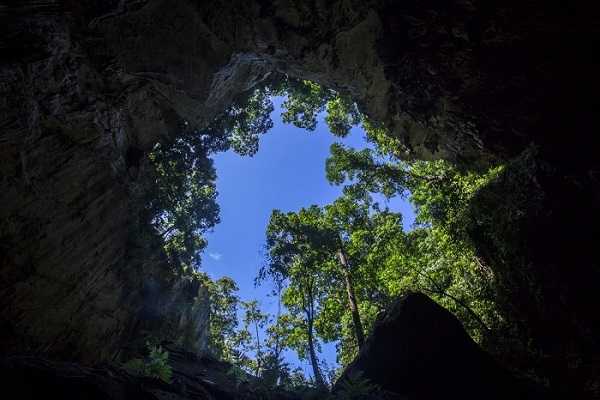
(442, 193)
(254, 323)
(224, 303)
(301, 260)
(328, 259)
(436, 258)
(292, 235)
(180, 198)
(237, 332)
(342, 115)
(253, 316)
(305, 100)
(248, 121)
(384, 262)
(366, 170)
(448, 271)
(381, 260)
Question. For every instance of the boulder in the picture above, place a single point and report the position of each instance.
(419, 350)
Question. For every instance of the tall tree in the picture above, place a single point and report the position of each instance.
(254, 322)
(339, 235)
(342, 218)
(303, 294)
(437, 258)
(224, 303)
(275, 369)
(295, 257)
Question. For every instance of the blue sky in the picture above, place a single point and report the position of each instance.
(287, 173)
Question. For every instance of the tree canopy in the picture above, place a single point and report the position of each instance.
(336, 267)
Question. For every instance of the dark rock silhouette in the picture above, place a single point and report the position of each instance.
(193, 378)
(419, 350)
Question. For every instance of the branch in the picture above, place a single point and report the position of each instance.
(440, 291)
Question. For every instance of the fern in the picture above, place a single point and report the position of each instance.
(156, 365)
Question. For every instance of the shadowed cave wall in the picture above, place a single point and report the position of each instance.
(88, 87)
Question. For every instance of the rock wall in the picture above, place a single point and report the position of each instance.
(87, 87)
(74, 280)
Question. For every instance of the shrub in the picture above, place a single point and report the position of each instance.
(156, 365)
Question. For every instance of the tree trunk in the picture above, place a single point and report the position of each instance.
(352, 302)
(258, 352)
(313, 355)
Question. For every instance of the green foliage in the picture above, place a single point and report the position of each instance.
(158, 364)
(442, 194)
(244, 346)
(244, 122)
(180, 195)
(342, 115)
(296, 380)
(224, 303)
(305, 252)
(432, 262)
(337, 267)
(305, 100)
(275, 370)
(155, 365)
(254, 322)
(366, 171)
(182, 201)
(436, 258)
(180, 198)
(385, 143)
(384, 261)
(299, 256)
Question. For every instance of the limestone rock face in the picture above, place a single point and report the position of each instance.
(87, 87)
(419, 350)
(75, 283)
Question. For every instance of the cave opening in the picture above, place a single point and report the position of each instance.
(374, 200)
(287, 173)
(110, 113)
